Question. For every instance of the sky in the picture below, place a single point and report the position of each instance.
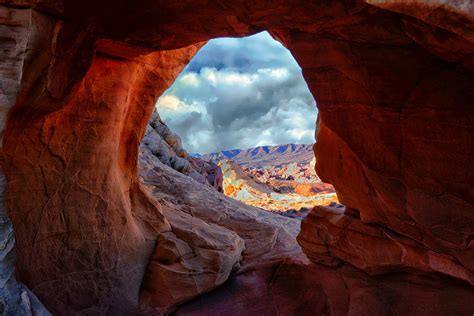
(238, 93)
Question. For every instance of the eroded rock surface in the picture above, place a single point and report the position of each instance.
(23, 35)
(97, 228)
(273, 276)
(246, 188)
(393, 83)
(167, 146)
(192, 259)
(329, 235)
(212, 235)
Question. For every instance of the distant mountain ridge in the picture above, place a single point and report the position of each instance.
(262, 156)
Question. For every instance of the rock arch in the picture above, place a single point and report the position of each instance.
(393, 82)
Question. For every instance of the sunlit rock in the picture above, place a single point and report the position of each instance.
(247, 188)
(393, 85)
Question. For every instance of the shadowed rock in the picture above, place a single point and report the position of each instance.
(393, 84)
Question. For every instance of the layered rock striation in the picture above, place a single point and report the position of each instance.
(276, 178)
(211, 236)
(374, 249)
(293, 177)
(165, 144)
(275, 195)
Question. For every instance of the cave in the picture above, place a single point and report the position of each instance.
(393, 83)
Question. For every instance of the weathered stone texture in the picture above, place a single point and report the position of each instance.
(393, 83)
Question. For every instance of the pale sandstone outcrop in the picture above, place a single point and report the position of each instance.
(288, 169)
(167, 146)
(297, 177)
(192, 259)
(244, 187)
(212, 235)
(274, 277)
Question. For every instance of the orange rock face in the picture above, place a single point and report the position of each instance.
(374, 249)
(97, 228)
(403, 175)
(242, 185)
(393, 84)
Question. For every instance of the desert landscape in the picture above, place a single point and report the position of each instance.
(275, 178)
(105, 211)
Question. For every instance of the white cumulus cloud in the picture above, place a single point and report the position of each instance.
(240, 93)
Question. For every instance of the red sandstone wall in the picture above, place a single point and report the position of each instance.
(85, 230)
(394, 96)
(398, 120)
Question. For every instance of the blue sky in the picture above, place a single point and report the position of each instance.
(240, 93)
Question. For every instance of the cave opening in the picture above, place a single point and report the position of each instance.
(240, 117)
(394, 84)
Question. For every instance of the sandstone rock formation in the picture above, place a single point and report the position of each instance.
(16, 26)
(208, 237)
(247, 188)
(166, 145)
(15, 298)
(273, 277)
(393, 83)
(277, 178)
(294, 177)
(94, 229)
(374, 249)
